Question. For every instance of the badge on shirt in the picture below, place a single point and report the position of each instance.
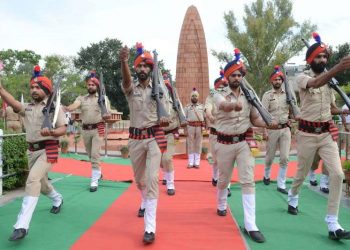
(136, 93)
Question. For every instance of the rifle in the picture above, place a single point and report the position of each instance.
(177, 106)
(254, 100)
(289, 96)
(102, 96)
(333, 83)
(157, 94)
(52, 107)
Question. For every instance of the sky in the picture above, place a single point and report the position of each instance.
(64, 26)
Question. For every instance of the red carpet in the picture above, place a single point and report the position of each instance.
(124, 173)
(110, 171)
(187, 220)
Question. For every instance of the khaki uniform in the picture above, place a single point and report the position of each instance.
(13, 121)
(233, 124)
(212, 109)
(145, 154)
(91, 116)
(194, 114)
(315, 107)
(37, 181)
(167, 157)
(276, 104)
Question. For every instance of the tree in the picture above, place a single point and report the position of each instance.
(271, 37)
(73, 83)
(104, 57)
(336, 55)
(18, 71)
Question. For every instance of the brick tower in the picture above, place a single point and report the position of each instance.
(192, 58)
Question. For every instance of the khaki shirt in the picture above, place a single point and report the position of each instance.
(194, 112)
(174, 121)
(143, 108)
(211, 107)
(233, 123)
(11, 115)
(276, 104)
(34, 118)
(315, 103)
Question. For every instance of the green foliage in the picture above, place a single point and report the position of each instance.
(338, 53)
(124, 149)
(73, 83)
(346, 165)
(17, 62)
(15, 161)
(205, 150)
(271, 36)
(64, 142)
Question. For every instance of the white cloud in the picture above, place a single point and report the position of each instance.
(63, 27)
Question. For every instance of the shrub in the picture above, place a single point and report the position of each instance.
(346, 165)
(15, 161)
(124, 149)
(204, 150)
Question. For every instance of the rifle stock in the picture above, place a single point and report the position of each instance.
(156, 93)
(333, 83)
(102, 96)
(51, 107)
(254, 100)
(289, 96)
(177, 106)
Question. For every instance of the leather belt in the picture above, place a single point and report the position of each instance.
(230, 139)
(90, 126)
(313, 127)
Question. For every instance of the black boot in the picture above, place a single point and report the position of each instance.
(18, 234)
(256, 236)
(148, 238)
(141, 212)
(56, 210)
(339, 234)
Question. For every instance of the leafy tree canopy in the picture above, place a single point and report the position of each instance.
(270, 37)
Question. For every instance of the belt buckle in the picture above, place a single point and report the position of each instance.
(36, 146)
(89, 126)
(235, 139)
(318, 129)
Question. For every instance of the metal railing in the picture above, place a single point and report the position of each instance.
(2, 175)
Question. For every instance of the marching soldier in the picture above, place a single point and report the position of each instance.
(42, 152)
(274, 101)
(171, 134)
(93, 125)
(147, 141)
(194, 113)
(210, 112)
(13, 120)
(318, 134)
(234, 120)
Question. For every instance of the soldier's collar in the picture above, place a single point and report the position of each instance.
(149, 83)
(282, 90)
(42, 102)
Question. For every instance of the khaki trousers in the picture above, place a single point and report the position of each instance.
(37, 180)
(308, 145)
(213, 139)
(194, 139)
(315, 164)
(281, 137)
(167, 157)
(93, 143)
(145, 158)
(226, 156)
